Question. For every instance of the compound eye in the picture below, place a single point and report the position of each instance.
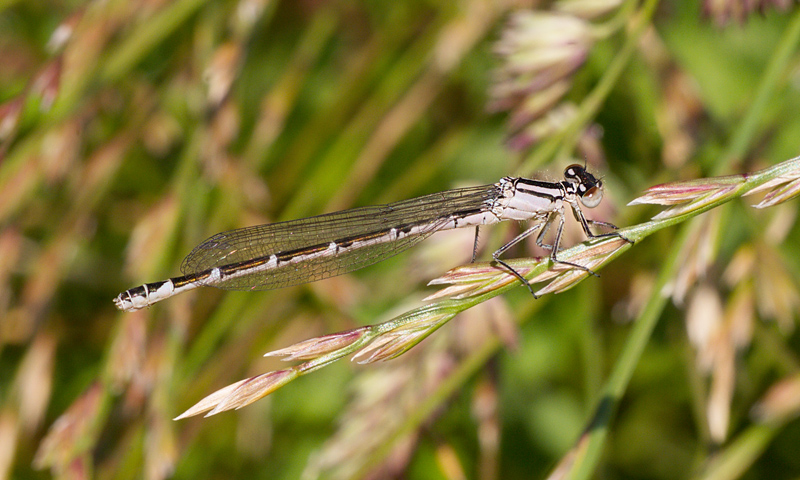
(592, 197)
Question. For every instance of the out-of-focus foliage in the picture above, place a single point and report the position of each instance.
(132, 131)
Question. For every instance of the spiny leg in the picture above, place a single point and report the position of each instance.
(475, 245)
(557, 243)
(514, 241)
(585, 222)
(608, 225)
(544, 230)
(555, 246)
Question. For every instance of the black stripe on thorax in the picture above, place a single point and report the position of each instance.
(541, 188)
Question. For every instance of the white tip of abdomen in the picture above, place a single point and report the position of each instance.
(144, 295)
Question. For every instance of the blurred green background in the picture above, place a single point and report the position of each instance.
(132, 131)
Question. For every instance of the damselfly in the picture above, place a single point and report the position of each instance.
(277, 255)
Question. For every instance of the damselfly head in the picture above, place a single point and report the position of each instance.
(588, 188)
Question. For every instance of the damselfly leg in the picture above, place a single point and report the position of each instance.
(544, 228)
(475, 244)
(522, 236)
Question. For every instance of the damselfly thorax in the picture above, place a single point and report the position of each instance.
(278, 255)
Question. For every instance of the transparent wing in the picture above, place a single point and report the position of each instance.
(261, 241)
